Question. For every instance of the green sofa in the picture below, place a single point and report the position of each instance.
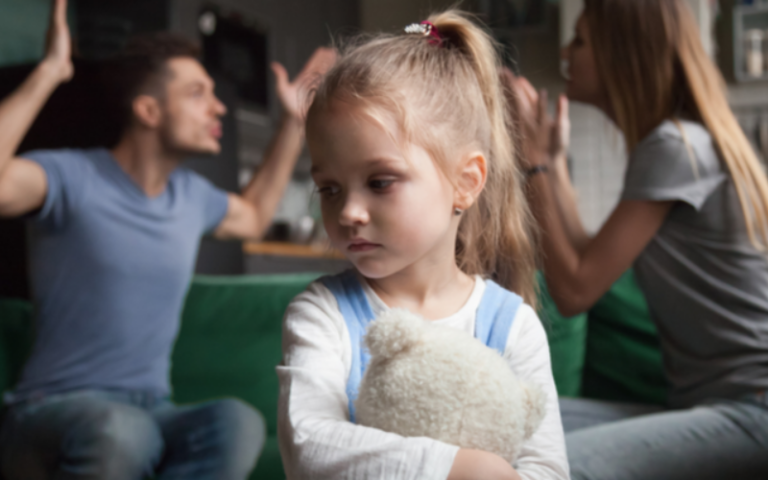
(229, 344)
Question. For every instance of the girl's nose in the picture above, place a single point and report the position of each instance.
(354, 212)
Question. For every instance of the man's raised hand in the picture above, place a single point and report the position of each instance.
(294, 96)
(58, 48)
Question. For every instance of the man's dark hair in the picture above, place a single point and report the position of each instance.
(142, 67)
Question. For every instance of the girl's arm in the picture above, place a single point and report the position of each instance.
(543, 456)
(316, 438)
(577, 278)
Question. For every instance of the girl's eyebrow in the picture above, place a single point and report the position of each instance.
(373, 162)
(382, 162)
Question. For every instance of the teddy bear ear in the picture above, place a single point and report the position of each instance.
(394, 332)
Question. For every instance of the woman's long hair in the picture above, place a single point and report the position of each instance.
(650, 57)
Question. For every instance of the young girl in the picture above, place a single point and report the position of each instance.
(693, 219)
(411, 156)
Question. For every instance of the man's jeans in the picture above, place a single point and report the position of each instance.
(724, 440)
(111, 435)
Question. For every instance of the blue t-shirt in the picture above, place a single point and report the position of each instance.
(109, 268)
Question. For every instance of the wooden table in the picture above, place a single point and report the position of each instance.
(287, 249)
(284, 257)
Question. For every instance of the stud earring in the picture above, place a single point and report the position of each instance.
(457, 211)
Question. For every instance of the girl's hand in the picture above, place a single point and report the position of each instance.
(58, 49)
(294, 96)
(479, 465)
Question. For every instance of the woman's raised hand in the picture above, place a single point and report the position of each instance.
(58, 45)
(545, 139)
(560, 131)
(294, 96)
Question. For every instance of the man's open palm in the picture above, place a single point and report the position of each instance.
(58, 48)
(294, 96)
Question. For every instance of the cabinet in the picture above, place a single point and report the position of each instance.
(750, 42)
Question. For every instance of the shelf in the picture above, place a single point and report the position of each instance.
(745, 18)
(285, 249)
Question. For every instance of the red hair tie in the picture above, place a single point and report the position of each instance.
(427, 29)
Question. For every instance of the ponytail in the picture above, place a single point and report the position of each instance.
(496, 235)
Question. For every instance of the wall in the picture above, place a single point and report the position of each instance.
(22, 30)
(394, 15)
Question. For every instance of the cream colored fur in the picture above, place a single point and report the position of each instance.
(438, 382)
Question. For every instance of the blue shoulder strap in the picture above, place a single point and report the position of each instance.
(495, 315)
(494, 320)
(357, 313)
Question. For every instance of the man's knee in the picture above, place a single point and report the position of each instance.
(243, 430)
(115, 440)
(83, 436)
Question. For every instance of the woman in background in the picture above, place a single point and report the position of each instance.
(692, 219)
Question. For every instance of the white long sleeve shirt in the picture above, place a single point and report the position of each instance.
(317, 440)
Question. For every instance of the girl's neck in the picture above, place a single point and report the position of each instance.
(432, 291)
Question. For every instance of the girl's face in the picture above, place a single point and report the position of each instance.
(584, 84)
(383, 211)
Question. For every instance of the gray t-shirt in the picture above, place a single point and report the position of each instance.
(706, 285)
(109, 268)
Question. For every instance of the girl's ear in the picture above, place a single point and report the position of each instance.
(471, 175)
(146, 109)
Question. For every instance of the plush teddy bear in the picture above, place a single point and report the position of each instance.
(433, 381)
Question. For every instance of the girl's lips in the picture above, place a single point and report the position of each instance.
(362, 246)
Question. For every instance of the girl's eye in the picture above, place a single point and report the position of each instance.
(328, 191)
(380, 184)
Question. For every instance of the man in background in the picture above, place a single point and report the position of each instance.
(113, 240)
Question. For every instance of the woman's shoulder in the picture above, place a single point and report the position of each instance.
(675, 137)
(674, 132)
(683, 145)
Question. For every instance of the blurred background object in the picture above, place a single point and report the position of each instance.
(241, 37)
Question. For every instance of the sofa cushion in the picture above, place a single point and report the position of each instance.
(16, 336)
(623, 358)
(230, 343)
(567, 338)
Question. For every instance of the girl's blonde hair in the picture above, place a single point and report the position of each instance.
(448, 96)
(650, 57)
